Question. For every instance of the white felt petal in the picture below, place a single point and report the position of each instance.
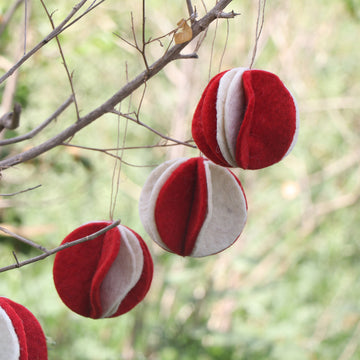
(150, 193)
(296, 134)
(227, 212)
(9, 342)
(234, 112)
(123, 274)
(222, 92)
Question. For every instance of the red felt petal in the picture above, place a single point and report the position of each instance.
(269, 123)
(204, 123)
(181, 206)
(109, 251)
(75, 267)
(138, 292)
(35, 338)
(18, 325)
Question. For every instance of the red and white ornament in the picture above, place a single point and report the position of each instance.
(245, 118)
(193, 207)
(21, 335)
(104, 277)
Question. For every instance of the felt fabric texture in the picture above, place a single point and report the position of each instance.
(125, 271)
(245, 118)
(185, 203)
(21, 335)
(204, 123)
(149, 194)
(227, 211)
(9, 342)
(181, 206)
(96, 277)
(229, 97)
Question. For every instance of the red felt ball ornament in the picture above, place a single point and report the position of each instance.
(245, 118)
(21, 335)
(104, 277)
(193, 207)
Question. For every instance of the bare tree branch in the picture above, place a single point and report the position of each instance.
(124, 92)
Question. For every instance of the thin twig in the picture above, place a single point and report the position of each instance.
(190, 10)
(137, 121)
(228, 15)
(35, 131)
(107, 150)
(24, 240)
(187, 56)
(143, 35)
(16, 259)
(60, 248)
(21, 191)
(141, 101)
(69, 76)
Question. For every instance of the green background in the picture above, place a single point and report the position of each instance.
(289, 287)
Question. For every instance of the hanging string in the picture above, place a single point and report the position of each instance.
(115, 181)
(226, 43)
(259, 27)
(212, 48)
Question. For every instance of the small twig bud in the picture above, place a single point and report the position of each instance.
(11, 119)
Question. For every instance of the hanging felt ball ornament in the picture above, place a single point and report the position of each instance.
(245, 118)
(21, 335)
(104, 277)
(193, 207)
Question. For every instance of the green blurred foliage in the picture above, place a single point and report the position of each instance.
(289, 288)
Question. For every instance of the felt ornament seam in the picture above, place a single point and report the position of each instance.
(104, 277)
(245, 118)
(185, 203)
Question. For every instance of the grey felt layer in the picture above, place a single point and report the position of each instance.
(226, 215)
(230, 108)
(149, 195)
(123, 274)
(224, 84)
(226, 212)
(235, 107)
(9, 342)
